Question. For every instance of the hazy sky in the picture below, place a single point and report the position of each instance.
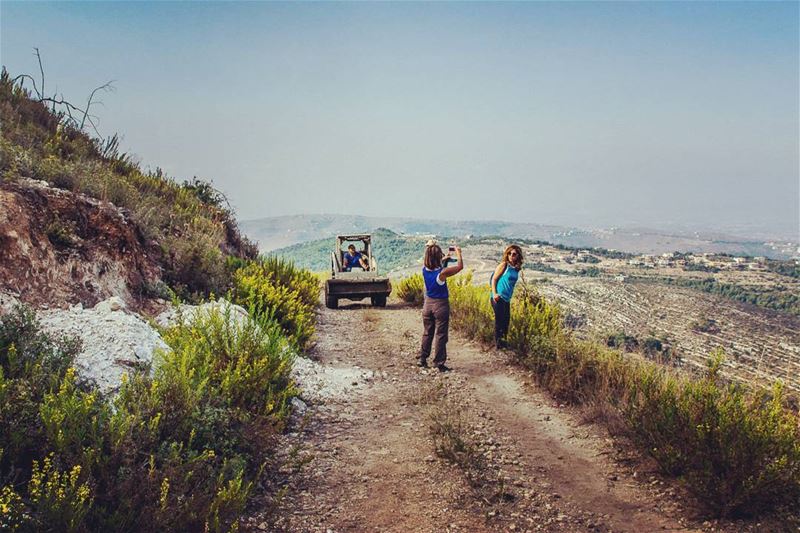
(578, 113)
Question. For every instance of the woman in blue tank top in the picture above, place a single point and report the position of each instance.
(436, 309)
(503, 281)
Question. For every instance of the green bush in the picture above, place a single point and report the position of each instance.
(471, 309)
(274, 288)
(32, 365)
(411, 289)
(533, 320)
(737, 449)
(180, 450)
(244, 364)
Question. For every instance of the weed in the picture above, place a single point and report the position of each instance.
(275, 289)
(192, 222)
(738, 449)
(411, 289)
(60, 234)
(453, 442)
(179, 451)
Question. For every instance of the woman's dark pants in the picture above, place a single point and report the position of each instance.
(435, 320)
(502, 317)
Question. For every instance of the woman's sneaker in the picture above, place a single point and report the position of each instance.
(443, 368)
(422, 363)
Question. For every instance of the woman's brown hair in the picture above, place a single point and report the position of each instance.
(433, 257)
(507, 252)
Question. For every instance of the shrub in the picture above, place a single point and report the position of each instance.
(179, 451)
(471, 309)
(60, 234)
(622, 340)
(245, 363)
(32, 365)
(737, 449)
(533, 321)
(275, 289)
(195, 268)
(58, 497)
(411, 289)
(651, 345)
(73, 421)
(705, 325)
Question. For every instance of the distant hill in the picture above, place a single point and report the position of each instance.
(274, 233)
(392, 251)
(278, 232)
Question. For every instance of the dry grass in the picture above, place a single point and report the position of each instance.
(453, 441)
(737, 449)
(371, 319)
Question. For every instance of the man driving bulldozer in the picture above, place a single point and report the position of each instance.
(352, 258)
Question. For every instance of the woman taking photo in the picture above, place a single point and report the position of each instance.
(436, 309)
(503, 281)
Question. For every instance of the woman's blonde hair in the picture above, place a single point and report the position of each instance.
(433, 257)
(507, 252)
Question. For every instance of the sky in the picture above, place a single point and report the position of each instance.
(592, 114)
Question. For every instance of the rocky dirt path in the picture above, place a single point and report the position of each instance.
(370, 462)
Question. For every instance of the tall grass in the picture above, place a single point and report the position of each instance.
(737, 449)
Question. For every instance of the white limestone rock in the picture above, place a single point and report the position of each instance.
(189, 312)
(115, 341)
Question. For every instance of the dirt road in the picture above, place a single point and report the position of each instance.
(372, 465)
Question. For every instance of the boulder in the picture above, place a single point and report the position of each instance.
(115, 341)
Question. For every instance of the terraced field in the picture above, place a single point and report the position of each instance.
(760, 345)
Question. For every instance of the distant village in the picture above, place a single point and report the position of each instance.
(706, 261)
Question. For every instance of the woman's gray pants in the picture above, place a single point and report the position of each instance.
(435, 320)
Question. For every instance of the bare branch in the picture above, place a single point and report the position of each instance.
(107, 87)
(24, 77)
(69, 111)
(41, 70)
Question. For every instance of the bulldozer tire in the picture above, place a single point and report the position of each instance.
(378, 301)
(331, 302)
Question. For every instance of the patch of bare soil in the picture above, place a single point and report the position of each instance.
(60, 248)
(368, 460)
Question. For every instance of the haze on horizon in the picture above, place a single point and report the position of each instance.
(585, 114)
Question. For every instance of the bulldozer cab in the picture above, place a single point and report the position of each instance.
(363, 245)
(356, 283)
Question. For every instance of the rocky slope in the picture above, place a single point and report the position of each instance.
(60, 248)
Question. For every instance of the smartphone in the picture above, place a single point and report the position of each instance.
(452, 249)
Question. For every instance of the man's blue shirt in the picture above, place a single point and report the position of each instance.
(351, 261)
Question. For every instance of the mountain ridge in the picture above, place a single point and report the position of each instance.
(273, 233)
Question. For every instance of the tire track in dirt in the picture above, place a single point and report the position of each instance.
(371, 459)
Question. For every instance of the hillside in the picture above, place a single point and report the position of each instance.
(273, 233)
(279, 232)
(121, 411)
(75, 208)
